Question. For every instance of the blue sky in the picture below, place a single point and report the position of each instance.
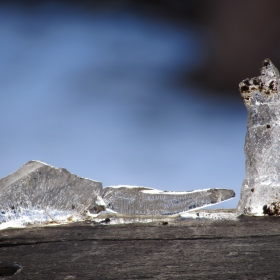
(96, 94)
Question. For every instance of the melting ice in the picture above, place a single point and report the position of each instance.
(38, 193)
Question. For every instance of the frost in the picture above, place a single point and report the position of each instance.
(262, 183)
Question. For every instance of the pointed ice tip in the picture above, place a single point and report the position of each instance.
(269, 69)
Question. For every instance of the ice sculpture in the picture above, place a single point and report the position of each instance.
(261, 187)
(146, 201)
(37, 185)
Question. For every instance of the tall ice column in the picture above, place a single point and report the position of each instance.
(261, 186)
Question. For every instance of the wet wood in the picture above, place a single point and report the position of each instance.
(183, 249)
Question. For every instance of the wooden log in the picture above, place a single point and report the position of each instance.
(183, 249)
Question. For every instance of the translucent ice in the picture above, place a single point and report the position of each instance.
(37, 185)
(145, 201)
(261, 96)
(40, 193)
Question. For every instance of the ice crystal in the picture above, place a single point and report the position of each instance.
(262, 100)
(40, 193)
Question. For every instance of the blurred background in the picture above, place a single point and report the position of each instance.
(132, 92)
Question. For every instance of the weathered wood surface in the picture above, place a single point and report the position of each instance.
(244, 249)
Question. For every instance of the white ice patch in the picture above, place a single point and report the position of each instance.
(128, 187)
(155, 191)
(109, 211)
(26, 217)
(99, 201)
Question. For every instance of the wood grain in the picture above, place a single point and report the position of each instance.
(184, 249)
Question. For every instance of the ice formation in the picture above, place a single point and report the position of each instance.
(261, 96)
(146, 201)
(40, 193)
(40, 190)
